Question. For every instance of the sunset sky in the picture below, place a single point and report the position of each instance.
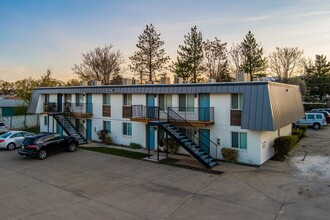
(40, 34)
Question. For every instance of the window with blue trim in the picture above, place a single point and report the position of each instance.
(239, 140)
(127, 129)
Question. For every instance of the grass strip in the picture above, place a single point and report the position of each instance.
(117, 152)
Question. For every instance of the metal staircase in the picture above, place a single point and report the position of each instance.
(184, 134)
(69, 128)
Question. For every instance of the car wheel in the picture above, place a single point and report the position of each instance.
(316, 126)
(73, 147)
(11, 146)
(42, 154)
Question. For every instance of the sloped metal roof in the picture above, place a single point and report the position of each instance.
(266, 105)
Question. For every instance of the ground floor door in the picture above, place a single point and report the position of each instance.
(59, 129)
(89, 129)
(151, 136)
(204, 139)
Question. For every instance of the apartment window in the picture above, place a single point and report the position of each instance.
(165, 101)
(106, 108)
(79, 99)
(45, 120)
(107, 126)
(239, 140)
(106, 99)
(236, 101)
(127, 129)
(186, 102)
(127, 99)
(46, 98)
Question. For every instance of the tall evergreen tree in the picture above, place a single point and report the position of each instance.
(150, 58)
(216, 60)
(252, 56)
(190, 56)
(318, 76)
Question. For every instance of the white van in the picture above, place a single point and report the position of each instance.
(312, 119)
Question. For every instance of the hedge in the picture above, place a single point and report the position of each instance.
(283, 145)
(229, 154)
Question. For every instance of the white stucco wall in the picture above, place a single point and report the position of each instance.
(267, 140)
(259, 143)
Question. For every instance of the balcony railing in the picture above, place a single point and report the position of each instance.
(69, 108)
(192, 114)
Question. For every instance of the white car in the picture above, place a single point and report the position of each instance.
(13, 139)
(3, 127)
(312, 119)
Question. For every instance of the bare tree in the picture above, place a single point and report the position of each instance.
(47, 80)
(285, 62)
(99, 64)
(216, 60)
(235, 56)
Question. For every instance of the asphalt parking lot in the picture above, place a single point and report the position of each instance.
(90, 185)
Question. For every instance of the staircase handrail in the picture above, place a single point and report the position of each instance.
(83, 134)
(189, 125)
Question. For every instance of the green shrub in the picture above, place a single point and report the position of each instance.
(170, 145)
(108, 139)
(283, 145)
(229, 154)
(298, 132)
(102, 134)
(135, 145)
(303, 128)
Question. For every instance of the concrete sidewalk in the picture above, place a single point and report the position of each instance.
(185, 160)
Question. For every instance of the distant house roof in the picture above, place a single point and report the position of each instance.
(11, 103)
(266, 105)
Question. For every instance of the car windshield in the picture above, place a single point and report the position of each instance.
(5, 135)
(2, 124)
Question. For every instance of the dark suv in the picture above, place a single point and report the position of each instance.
(42, 144)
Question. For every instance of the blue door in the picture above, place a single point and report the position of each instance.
(204, 140)
(204, 107)
(59, 102)
(89, 129)
(151, 110)
(151, 137)
(89, 106)
(59, 129)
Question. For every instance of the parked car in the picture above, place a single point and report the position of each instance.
(3, 128)
(13, 139)
(42, 144)
(325, 113)
(322, 109)
(312, 119)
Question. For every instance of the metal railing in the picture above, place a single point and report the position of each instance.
(203, 114)
(187, 113)
(68, 107)
(190, 131)
(148, 113)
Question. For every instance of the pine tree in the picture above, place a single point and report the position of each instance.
(150, 58)
(252, 56)
(190, 56)
(318, 76)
